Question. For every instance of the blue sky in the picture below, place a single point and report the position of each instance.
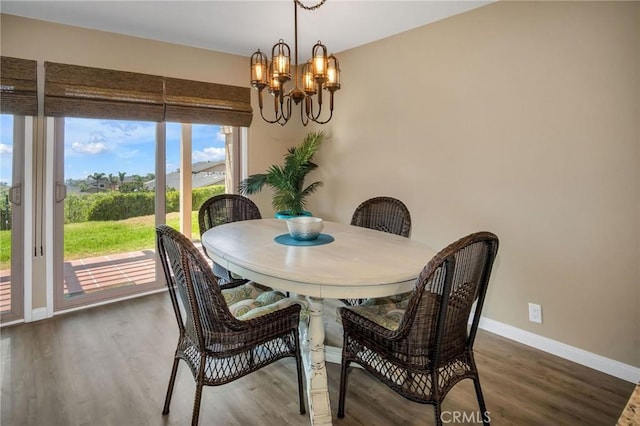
(6, 147)
(112, 146)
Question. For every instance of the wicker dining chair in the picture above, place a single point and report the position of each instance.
(424, 351)
(384, 214)
(221, 209)
(218, 347)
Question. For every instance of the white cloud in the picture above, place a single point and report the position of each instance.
(209, 154)
(5, 149)
(89, 147)
(128, 154)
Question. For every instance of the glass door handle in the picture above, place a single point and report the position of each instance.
(15, 195)
(61, 192)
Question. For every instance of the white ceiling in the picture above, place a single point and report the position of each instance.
(241, 27)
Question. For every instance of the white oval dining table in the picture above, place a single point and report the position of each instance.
(358, 263)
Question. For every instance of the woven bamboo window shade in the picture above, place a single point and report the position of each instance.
(198, 102)
(18, 86)
(77, 91)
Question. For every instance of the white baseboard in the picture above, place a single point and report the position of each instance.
(39, 314)
(571, 353)
(333, 354)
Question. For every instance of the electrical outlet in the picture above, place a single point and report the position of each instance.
(535, 313)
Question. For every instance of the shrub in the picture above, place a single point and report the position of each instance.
(115, 205)
(5, 209)
(200, 195)
(76, 207)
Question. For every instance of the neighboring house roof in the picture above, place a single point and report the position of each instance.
(208, 166)
(203, 173)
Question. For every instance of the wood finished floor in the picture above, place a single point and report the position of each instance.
(110, 366)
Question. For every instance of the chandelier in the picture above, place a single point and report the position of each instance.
(318, 73)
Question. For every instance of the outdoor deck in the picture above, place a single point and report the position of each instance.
(5, 290)
(92, 274)
(97, 273)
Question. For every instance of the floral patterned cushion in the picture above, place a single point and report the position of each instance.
(252, 300)
(384, 311)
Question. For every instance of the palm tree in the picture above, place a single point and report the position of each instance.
(288, 181)
(113, 181)
(97, 177)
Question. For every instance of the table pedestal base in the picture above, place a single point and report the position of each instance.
(314, 365)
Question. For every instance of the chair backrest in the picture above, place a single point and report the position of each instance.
(385, 214)
(226, 208)
(436, 320)
(221, 209)
(190, 279)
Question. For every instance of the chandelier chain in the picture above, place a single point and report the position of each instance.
(314, 7)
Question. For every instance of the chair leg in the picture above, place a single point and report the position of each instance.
(199, 384)
(196, 404)
(483, 408)
(437, 411)
(172, 380)
(343, 388)
(299, 368)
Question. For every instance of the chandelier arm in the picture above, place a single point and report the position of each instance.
(277, 106)
(326, 121)
(260, 99)
(314, 7)
(308, 107)
(310, 114)
(330, 110)
(316, 117)
(279, 112)
(260, 104)
(286, 116)
(331, 101)
(285, 111)
(303, 117)
(267, 120)
(277, 120)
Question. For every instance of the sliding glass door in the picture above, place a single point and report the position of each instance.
(105, 209)
(114, 181)
(14, 132)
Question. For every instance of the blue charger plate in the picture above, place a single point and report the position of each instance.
(288, 240)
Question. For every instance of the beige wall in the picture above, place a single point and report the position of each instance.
(44, 41)
(519, 118)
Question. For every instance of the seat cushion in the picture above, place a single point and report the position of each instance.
(252, 300)
(384, 311)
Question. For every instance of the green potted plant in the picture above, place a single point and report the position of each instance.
(290, 193)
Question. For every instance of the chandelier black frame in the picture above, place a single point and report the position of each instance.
(320, 72)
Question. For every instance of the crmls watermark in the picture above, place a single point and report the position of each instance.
(465, 417)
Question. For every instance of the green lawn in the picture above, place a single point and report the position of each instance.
(90, 239)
